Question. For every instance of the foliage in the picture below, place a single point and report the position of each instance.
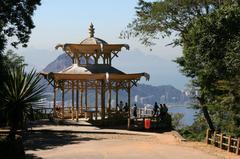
(211, 57)
(9, 60)
(164, 18)
(209, 32)
(197, 130)
(21, 92)
(16, 21)
(177, 122)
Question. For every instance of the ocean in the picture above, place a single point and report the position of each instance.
(186, 111)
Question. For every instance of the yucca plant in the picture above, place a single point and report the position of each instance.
(21, 92)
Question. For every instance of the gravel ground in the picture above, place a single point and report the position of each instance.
(89, 142)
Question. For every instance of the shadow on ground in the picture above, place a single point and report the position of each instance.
(49, 140)
(56, 122)
(32, 156)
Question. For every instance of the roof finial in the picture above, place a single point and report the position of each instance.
(91, 31)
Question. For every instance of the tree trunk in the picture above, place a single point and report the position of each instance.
(205, 113)
(12, 133)
(207, 117)
(13, 123)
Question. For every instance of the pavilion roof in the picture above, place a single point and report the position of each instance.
(91, 45)
(72, 49)
(90, 69)
(87, 48)
(99, 76)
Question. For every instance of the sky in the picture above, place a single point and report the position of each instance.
(67, 21)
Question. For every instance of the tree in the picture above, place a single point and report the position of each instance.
(181, 18)
(20, 93)
(16, 21)
(211, 55)
(9, 60)
(168, 17)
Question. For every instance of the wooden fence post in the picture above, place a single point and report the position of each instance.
(214, 138)
(207, 136)
(221, 141)
(229, 144)
(238, 146)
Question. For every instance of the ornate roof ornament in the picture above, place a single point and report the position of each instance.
(91, 31)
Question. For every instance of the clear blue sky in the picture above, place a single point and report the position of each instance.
(67, 21)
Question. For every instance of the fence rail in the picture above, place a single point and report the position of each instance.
(222, 141)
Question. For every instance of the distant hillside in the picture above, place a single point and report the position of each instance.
(63, 61)
(143, 94)
(163, 94)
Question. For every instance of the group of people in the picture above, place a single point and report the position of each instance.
(121, 107)
(125, 108)
(159, 110)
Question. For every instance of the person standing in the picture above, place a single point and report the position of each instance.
(126, 107)
(155, 109)
(135, 110)
(165, 109)
(121, 106)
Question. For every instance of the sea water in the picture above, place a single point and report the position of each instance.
(187, 111)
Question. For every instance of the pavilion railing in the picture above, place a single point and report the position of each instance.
(42, 113)
(141, 112)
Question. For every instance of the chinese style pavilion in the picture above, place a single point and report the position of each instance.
(96, 73)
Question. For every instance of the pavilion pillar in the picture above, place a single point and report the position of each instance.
(54, 100)
(72, 99)
(102, 100)
(63, 101)
(129, 103)
(77, 102)
(87, 59)
(109, 97)
(110, 60)
(81, 98)
(86, 97)
(104, 59)
(96, 100)
(116, 96)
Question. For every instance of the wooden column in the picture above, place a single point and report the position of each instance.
(102, 100)
(109, 97)
(72, 99)
(86, 93)
(110, 60)
(129, 103)
(63, 101)
(104, 62)
(77, 102)
(81, 97)
(54, 100)
(96, 100)
(116, 96)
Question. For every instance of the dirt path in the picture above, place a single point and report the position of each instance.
(102, 146)
(86, 142)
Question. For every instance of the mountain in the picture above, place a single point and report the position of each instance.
(142, 94)
(63, 61)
